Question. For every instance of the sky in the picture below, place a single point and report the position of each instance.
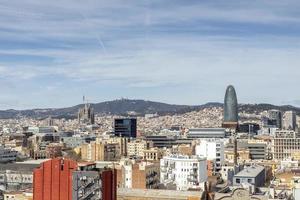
(181, 52)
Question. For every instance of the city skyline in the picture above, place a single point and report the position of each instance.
(176, 52)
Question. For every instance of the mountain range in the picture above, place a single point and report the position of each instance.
(134, 107)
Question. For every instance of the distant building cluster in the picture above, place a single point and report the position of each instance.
(212, 154)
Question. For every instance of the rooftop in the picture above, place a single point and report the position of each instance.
(251, 171)
(154, 194)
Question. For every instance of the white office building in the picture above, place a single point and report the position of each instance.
(212, 149)
(183, 171)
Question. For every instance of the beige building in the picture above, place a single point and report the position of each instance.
(140, 175)
(153, 154)
(243, 155)
(17, 195)
(285, 144)
(99, 151)
(136, 148)
(122, 141)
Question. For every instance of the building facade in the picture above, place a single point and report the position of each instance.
(212, 150)
(285, 144)
(136, 148)
(99, 151)
(138, 175)
(53, 180)
(183, 171)
(66, 180)
(289, 120)
(254, 175)
(125, 127)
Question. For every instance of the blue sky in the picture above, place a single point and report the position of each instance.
(183, 52)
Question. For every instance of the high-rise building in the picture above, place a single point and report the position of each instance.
(275, 117)
(125, 127)
(289, 120)
(230, 109)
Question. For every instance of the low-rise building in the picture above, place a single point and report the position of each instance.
(18, 195)
(153, 154)
(254, 175)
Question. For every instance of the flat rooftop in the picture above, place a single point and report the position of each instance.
(251, 171)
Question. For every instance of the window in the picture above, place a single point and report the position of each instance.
(249, 180)
(238, 180)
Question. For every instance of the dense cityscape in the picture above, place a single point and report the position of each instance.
(149, 100)
(205, 154)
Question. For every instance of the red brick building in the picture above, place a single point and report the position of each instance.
(63, 179)
(53, 180)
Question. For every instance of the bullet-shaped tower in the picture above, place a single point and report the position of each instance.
(230, 109)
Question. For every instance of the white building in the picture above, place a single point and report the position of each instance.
(183, 171)
(212, 149)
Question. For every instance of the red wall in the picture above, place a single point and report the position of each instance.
(53, 180)
(109, 185)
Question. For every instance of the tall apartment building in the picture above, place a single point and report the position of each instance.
(289, 120)
(183, 172)
(285, 144)
(140, 175)
(212, 149)
(99, 151)
(136, 148)
(62, 179)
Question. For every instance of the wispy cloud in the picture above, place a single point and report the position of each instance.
(149, 48)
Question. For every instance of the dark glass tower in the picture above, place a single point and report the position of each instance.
(230, 108)
(125, 127)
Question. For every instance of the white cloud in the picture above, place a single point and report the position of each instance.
(150, 44)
